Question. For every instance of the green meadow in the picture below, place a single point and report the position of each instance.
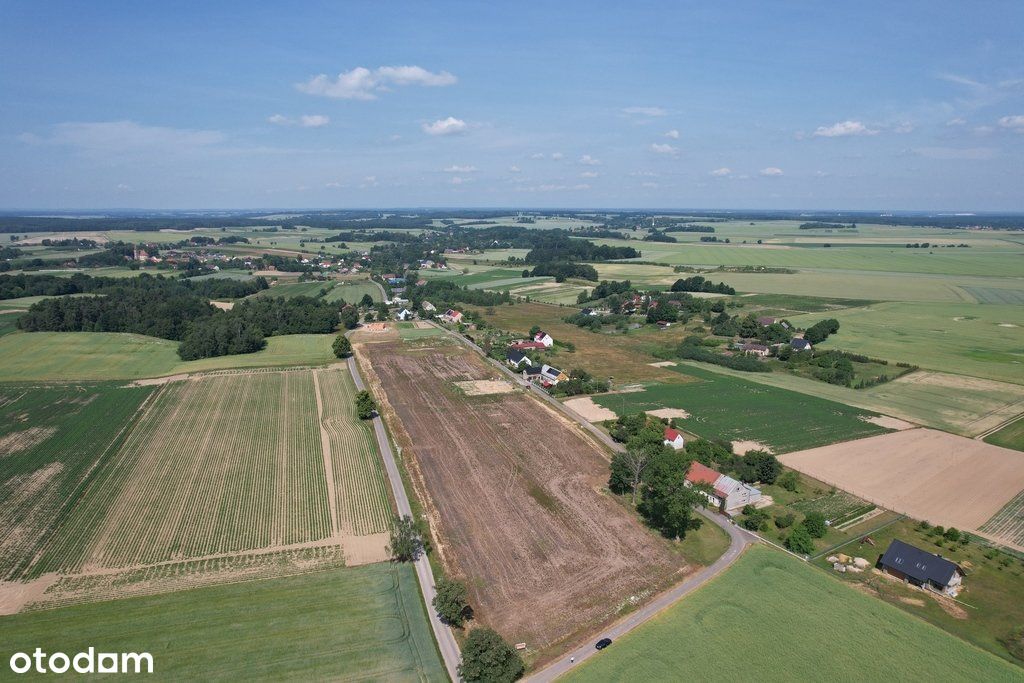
(362, 623)
(771, 617)
(58, 356)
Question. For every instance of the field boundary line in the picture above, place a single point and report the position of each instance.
(833, 548)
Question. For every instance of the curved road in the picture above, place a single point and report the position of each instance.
(442, 633)
(739, 539)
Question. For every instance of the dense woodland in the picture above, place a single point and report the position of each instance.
(169, 308)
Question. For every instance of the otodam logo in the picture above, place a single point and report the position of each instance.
(87, 662)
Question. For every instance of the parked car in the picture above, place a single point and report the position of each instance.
(603, 643)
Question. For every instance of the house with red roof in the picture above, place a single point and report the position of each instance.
(674, 439)
(544, 338)
(727, 494)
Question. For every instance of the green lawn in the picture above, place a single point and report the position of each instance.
(349, 624)
(978, 340)
(773, 618)
(57, 356)
(725, 407)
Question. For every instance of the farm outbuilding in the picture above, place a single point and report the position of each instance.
(921, 568)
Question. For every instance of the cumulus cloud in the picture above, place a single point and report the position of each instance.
(589, 174)
(674, 134)
(771, 171)
(645, 111)
(514, 169)
(958, 121)
(361, 83)
(722, 172)
(665, 148)
(460, 169)
(843, 129)
(369, 181)
(588, 160)
(557, 156)
(1014, 123)
(448, 126)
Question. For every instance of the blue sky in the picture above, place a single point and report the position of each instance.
(909, 105)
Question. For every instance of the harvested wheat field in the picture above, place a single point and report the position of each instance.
(588, 410)
(514, 494)
(927, 474)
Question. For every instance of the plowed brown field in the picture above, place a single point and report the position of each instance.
(515, 494)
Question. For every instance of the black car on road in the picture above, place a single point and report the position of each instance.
(603, 643)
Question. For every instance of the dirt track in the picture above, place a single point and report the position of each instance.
(927, 474)
(515, 490)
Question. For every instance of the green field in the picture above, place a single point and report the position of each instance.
(978, 340)
(51, 438)
(724, 407)
(1010, 436)
(287, 290)
(60, 356)
(353, 290)
(773, 618)
(952, 403)
(346, 624)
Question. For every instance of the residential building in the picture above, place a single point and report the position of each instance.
(921, 568)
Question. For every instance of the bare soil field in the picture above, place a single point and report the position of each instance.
(589, 410)
(744, 447)
(927, 474)
(669, 413)
(485, 387)
(514, 493)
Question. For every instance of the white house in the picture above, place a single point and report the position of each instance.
(404, 314)
(674, 439)
(544, 338)
(429, 307)
(452, 316)
(727, 494)
(552, 375)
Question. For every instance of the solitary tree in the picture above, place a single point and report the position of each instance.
(406, 541)
(487, 657)
(450, 602)
(342, 346)
(815, 524)
(799, 541)
(366, 301)
(365, 405)
(628, 470)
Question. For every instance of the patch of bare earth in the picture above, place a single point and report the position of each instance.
(669, 413)
(888, 422)
(746, 446)
(513, 492)
(223, 305)
(663, 364)
(924, 473)
(590, 411)
(485, 387)
(157, 381)
(16, 442)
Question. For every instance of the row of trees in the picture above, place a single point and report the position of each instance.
(698, 283)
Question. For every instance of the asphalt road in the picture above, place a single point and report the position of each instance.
(442, 633)
(738, 542)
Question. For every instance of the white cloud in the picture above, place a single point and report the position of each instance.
(306, 120)
(1014, 123)
(369, 181)
(649, 184)
(448, 126)
(958, 121)
(361, 83)
(557, 156)
(643, 174)
(664, 149)
(460, 169)
(589, 174)
(721, 172)
(588, 160)
(674, 134)
(553, 187)
(334, 184)
(843, 129)
(514, 169)
(771, 171)
(538, 155)
(646, 111)
(458, 180)
(313, 120)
